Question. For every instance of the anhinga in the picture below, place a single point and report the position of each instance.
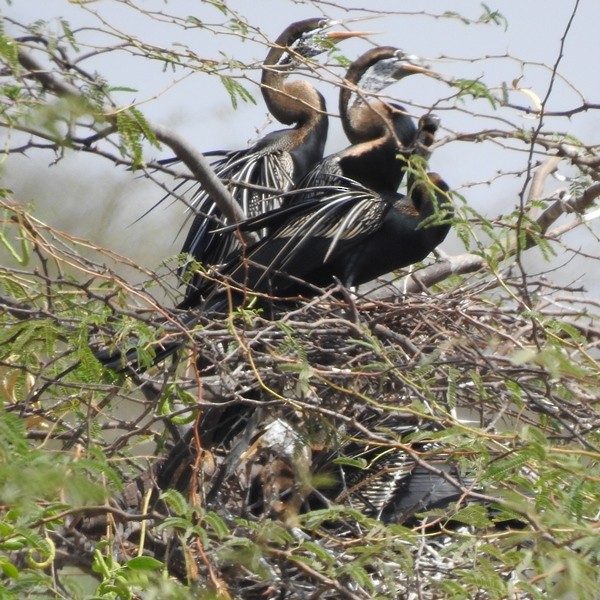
(276, 162)
(390, 485)
(383, 135)
(368, 173)
(349, 233)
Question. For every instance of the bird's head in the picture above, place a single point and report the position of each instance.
(311, 37)
(432, 197)
(380, 67)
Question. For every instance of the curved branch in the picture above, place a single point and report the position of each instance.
(470, 263)
(538, 180)
(195, 161)
(528, 110)
(559, 207)
(549, 216)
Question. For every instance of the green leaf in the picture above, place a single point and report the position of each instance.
(132, 126)
(69, 34)
(176, 501)
(359, 463)
(176, 523)
(475, 515)
(493, 16)
(474, 89)
(360, 575)
(319, 552)
(220, 5)
(144, 563)
(501, 469)
(9, 49)
(216, 524)
(8, 568)
(236, 90)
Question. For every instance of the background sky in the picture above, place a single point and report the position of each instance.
(92, 198)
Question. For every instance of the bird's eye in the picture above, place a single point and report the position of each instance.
(400, 54)
(318, 29)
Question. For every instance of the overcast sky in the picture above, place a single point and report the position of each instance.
(102, 201)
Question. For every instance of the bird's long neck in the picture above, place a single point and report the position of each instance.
(374, 164)
(363, 120)
(289, 102)
(377, 131)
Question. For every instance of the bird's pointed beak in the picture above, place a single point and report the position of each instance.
(418, 69)
(336, 36)
(410, 68)
(413, 64)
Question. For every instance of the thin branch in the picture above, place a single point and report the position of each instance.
(195, 161)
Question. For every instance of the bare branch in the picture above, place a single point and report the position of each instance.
(578, 205)
(536, 191)
(441, 270)
(194, 160)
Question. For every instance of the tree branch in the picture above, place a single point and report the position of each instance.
(46, 78)
(536, 191)
(440, 271)
(559, 207)
(195, 161)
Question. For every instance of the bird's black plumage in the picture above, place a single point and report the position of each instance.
(347, 233)
(346, 221)
(350, 234)
(346, 230)
(383, 480)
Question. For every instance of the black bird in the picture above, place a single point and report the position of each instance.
(321, 235)
(276, 162)
(390, 485)
(361, 228)
(347, 233)
(383, 135)
(377, 130)
(351, 234)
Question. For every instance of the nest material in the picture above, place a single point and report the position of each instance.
(319, 424)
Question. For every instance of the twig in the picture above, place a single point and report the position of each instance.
(195, 161)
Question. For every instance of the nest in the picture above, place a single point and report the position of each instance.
(350, 423)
